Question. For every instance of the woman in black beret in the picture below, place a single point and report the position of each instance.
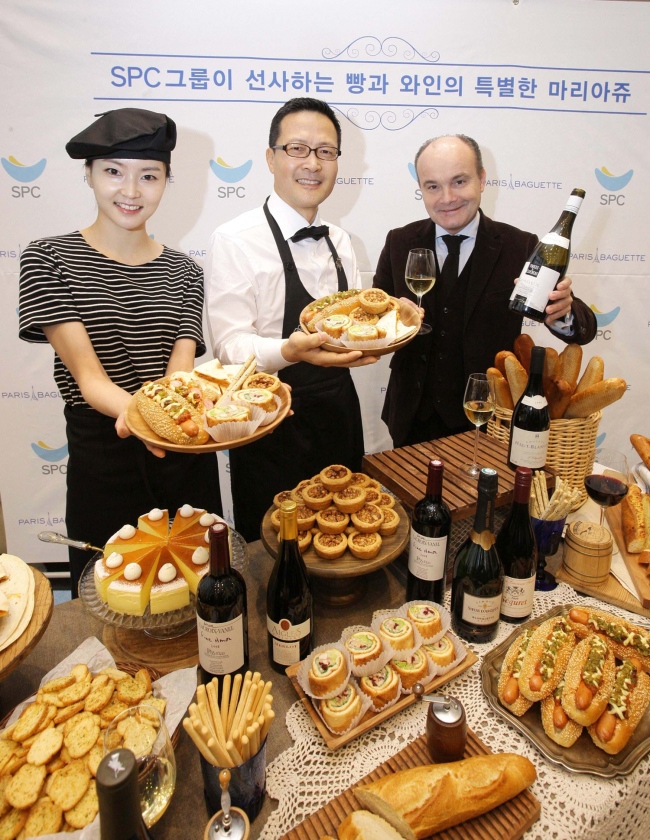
(118, 308)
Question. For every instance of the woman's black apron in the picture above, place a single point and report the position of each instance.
(112, 481)
(325, 428)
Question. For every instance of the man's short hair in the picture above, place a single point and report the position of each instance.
(303, 103)
(469, 141)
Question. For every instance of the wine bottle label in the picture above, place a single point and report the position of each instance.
(427, 556)
(573, 203)
(538, 401)
(286, 639)
(221, 646)
(518, 594)
(481, 611)
(556, 239)
(529, 448)
(535, 284)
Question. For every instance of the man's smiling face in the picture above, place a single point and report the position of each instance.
(304, 183)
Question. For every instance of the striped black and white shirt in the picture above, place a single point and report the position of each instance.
(133, 313)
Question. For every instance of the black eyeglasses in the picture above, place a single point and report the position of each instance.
(300, 150)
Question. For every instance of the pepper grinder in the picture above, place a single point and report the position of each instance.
(446, 726)
(230, 823)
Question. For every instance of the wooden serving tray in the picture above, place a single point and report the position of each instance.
(372, 718)
(13, 655)
(506, 822)
(637, 572)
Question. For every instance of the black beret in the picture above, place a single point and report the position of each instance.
(126, 133)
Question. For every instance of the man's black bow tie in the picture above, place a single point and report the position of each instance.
(317, 232)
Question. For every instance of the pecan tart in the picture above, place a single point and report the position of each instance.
(336, 477)
(350, 500)
(386, 501)
(282, 496)
(296, 495)
(316, 496)
(412, 669)
(332, 520)
(381, 687)
(275, 520)
(359, 480)
(426, 619)
(304, 540)
(327, 672)
(330, 546)
(390, 523)
(374, 301)
(398, 632)
(369, 519)
(360, 316)
(263, 380)
(306, 517)
(373, 496)
(364, 546)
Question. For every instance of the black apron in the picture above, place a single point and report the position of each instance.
(325, 428)
(112, 481)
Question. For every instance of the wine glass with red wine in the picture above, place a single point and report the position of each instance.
(607, 483)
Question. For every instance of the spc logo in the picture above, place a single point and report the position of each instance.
(25, 174)
(414, 175)
(230, 175)
(46, 453)
(604, 319)
(612, 183)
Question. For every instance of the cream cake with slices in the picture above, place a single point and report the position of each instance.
(155, 565)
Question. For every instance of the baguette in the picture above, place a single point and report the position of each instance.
(633, 520)
(501, 389)
(500, 361)
(552, 369)
(546, 658)
(170, 416)
(642, 446)
(558, 396)
(557, 724)
(508, 687)
(362, 825)
(593, 373)
(424, 800)
(627, 639)
(571, 361)
(523, 347)
(588, 680)
(595, 397)
(629, 699)
(516, 376)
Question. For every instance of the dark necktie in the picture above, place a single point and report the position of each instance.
(317, 232)
(449, 272)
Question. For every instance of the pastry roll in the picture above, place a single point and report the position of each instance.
(339, 712)
(398, 632)
(364, 646)
(335, 325)
(412, 669)
(442, 652)
(426, 619)
(260, 397)
(363, 332)
(328, 671)
(381, 687)
(227, 414)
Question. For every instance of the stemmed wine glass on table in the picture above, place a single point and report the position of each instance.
(420, 276)
(479, 404)
(608, 482)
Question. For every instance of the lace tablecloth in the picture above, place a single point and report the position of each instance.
(307, 775)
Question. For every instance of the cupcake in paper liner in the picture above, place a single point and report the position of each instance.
(365, 337)
(229, 421)
(366, 649)
(259, 399)
(325, 672)
(413, 668)
(345, 710)
(383, 687)
(396, 632)
(446, 653)
(430, 618)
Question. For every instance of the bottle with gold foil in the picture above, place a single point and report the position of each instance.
(289, 611)
(477, 583)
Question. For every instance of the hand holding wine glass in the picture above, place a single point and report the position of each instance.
(479, 402)
(608, 482)
(420, 276)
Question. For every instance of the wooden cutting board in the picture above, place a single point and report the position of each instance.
(637, 572)
(13, 655)
(507, 822)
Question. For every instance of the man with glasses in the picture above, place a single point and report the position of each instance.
(261, 271)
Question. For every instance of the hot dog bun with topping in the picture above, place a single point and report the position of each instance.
(557, 724)
(546, 658)
(589, 679)
(628, 701)
(627, 639)
(170, 415)
(508, 687)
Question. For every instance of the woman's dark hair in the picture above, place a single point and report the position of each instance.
(303, 103)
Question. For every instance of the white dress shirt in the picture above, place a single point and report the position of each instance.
(245, 285)
(562, 325)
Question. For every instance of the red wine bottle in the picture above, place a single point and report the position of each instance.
(477, 583)
(531, 422)
(429, 546)
(221, 612)
(517, 551)
(120, 815)
(289, 610)
(547, 264)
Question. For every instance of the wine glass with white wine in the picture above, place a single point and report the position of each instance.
(420, 277)
(478, 404)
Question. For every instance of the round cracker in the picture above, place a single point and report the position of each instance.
(45, 747)
(45, 817)
(82, 737)
(85, 811)
(69, 784)
(24, 788)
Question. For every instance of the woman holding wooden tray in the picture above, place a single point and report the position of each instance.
(119, 309)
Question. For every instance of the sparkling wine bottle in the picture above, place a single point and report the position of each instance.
(531, 422)
(120, 817)
(429, 546)
(289, 613)
(517, 551)
(547, 264)
(478, 574)
(221, 612)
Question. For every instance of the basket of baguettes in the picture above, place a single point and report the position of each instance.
(210, 408)
(635, 511)
(575, 405)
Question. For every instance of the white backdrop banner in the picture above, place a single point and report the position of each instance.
(555, 92)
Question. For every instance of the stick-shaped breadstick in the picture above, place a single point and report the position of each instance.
(225, 700)
(245, 747)
(216, 714)
(236, 723)
(234, 754)
(220, 753)
(259, 705)
(253, 733)
(198, 741)
(234, 697)
(270, 715)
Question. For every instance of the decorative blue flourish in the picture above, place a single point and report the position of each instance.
(372, 47)
(390, 120)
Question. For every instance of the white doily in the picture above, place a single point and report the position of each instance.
(308, 774)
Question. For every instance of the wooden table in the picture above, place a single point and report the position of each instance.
(404, 471)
